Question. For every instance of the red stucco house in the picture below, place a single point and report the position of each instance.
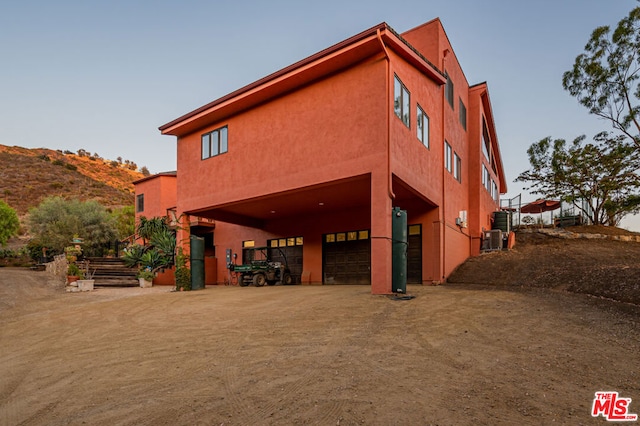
(313, 158)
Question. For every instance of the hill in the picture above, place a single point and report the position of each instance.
(27, 176)
(585, 262)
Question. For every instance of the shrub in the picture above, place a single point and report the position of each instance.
(183, 273)
(9, 223)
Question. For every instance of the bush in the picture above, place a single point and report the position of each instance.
(182, 274)
(56, 221)
(9, 223)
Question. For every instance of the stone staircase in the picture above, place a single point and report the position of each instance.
(111, 272)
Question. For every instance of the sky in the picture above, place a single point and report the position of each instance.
(103, 75)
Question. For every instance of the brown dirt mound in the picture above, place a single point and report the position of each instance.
(599, 267)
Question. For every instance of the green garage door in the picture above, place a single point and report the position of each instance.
(346, 258)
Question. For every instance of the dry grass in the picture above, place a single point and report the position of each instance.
(27, 176)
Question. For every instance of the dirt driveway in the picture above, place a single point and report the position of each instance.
(331, 355)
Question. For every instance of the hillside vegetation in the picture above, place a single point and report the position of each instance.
(27, 176)
(596, 266)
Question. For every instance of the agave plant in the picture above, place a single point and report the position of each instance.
(133, 255)
(164, 241)
(153, 260)
(147, 228)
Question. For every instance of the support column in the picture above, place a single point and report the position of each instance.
(381, 205)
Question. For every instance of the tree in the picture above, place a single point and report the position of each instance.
(604, 174)
(9, 223)
(605, 78)
(56, 221)
(124, 220)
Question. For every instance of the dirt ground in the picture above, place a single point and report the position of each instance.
(309, 355)
(599, 267)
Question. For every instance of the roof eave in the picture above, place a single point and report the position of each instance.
(321, 64)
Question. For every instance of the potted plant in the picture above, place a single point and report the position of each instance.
(72, 253)
(74, 273)
(86, 282)
(145, 277)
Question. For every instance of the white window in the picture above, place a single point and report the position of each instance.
(457, 167)
(447, 156)
(401, 101)
(422, 126)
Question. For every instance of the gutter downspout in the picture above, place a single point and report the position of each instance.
(387, 86)
(444, 171)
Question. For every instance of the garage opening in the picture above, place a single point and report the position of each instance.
(346, 258)
(291, 248)
(414, 255)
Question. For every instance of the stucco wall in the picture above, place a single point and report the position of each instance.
(329, 130)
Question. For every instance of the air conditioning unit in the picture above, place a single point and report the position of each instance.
(461, 220)
(492, 240)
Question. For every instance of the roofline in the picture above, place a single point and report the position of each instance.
(483, 88)
(444, 31)
(161, 174)
(390, 37)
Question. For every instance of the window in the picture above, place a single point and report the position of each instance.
(457, 167)
(140, 203)
(448, 90)
(447, 156)
(215, 143)
(422, 124)
(494, 190)
(462, 115)
(401, 101)
(486, 142)
(486, 178)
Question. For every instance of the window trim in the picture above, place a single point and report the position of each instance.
(449, 90)
(447, 156)
(457, 167)
(422, 130)
(486, 140)
(140, 203)
(221, 142)
(399, 107)
(462, 114)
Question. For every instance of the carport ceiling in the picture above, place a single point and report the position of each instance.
(311, 200)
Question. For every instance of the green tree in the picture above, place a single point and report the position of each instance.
(9, 223)
(56, 221)
(603, 174)
(124, 220)
(605, 77)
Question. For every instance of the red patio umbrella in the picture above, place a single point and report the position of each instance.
(540, 206)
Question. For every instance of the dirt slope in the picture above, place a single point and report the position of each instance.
(595, 266)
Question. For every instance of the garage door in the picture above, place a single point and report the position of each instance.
(414, 255)
(346, 258)
(291, 248)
